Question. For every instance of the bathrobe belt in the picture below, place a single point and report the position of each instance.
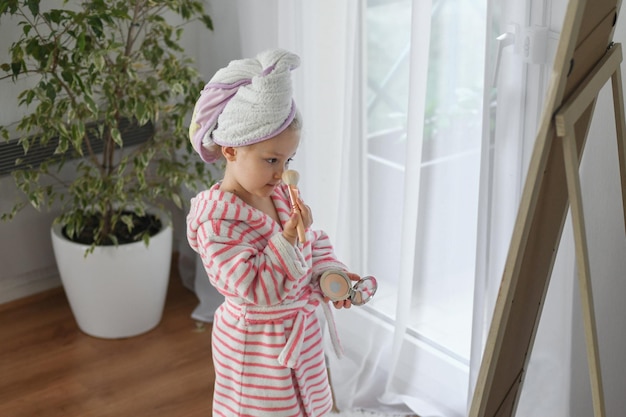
(299, 310)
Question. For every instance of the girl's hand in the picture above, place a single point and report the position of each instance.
(305, 212)
(304, 215)
(345, 303)
(290, 231)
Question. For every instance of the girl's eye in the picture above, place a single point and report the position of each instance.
(273, 161)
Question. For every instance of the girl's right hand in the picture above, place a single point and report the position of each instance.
(290, 231)
(302, 214)
(305, 213)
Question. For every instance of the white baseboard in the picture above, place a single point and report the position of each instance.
(28, 283)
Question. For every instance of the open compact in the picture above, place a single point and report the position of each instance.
(337, 286)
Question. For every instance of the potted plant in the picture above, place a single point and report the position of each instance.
(98, 72)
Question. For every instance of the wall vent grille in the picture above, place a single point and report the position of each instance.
(132, 134)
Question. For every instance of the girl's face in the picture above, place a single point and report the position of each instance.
(253, 171)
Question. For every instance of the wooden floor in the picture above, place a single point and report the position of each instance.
(49, 368)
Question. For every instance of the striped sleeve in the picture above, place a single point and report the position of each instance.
(239, 268)
(323, 255)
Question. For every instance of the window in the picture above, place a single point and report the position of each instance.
(441, 310)
(458, 170)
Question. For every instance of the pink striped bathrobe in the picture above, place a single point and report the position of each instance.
(266, 338)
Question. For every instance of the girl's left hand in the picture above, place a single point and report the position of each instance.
(345, 303)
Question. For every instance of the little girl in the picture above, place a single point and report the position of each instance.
(266, 338)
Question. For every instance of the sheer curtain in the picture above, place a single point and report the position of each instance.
(373, 375)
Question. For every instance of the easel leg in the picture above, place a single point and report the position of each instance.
(620, 125)
(570, 153)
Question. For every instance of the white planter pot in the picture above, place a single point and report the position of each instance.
(116, 292)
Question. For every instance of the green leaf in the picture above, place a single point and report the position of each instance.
(33, 6)
(99, 62)
(50, 91)
(63, 145)
(24, 141)
(81, 41)
(208, 22)
(16, 67)
(116, 136)
(67, 75)
(141, 113)
(95, 23)
(128, 221)
(93, 108)
(114, 239)
(54, 16)
(78, 134)
(146, 239)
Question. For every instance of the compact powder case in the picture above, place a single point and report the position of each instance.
(337, 286)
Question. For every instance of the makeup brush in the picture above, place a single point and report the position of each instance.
(291, 178)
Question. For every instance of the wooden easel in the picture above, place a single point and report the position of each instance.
(585, 60)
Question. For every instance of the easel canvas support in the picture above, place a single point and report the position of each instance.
(582, 66)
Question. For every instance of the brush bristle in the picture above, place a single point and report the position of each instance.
(291, 177)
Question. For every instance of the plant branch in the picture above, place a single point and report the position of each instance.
(101, 62)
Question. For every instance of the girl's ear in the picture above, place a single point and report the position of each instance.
(229, 153)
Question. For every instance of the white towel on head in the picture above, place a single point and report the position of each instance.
(246, 102)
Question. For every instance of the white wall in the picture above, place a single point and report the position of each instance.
(26, 261)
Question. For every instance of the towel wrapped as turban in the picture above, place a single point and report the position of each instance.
(246, 102)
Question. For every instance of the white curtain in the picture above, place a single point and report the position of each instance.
(373, 375)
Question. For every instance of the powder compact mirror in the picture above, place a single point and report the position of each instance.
(337, 286)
